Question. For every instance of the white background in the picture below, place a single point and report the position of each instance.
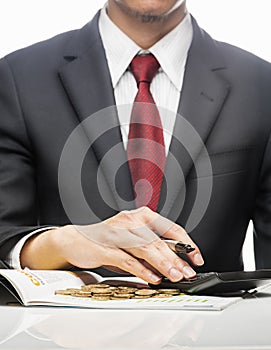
(245, 23)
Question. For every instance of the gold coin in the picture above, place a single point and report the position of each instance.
(118, 298)
(145, 292)
(90, 286)
(80, 295)
(84, 293)
(73, 289)
(121, 296)
(123, 291)
(130, 289)
(162, 296)
(100, 290)
(171, 291)
(103, 295)
(63, 292)
(86, 288)
(113, 288)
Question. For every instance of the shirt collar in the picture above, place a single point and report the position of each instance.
(171, 51)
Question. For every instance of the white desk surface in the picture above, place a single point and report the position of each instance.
(245, 325)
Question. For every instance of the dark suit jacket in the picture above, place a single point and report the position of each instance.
(47, 89)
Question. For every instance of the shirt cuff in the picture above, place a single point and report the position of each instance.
(13, 258)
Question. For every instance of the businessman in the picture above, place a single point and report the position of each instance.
(195, 104)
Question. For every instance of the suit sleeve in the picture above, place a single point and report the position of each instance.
(18, 202)
(262, 214)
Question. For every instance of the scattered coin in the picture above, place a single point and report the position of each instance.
(145, 292)
(82, 293)
(162, 295)
(63, 292)
(124, 291)
(122, 296)
(90, 286)
(169, 291)
(101, 290)
(73, 289)
(104, 292)
(127, 289)
(116, 296)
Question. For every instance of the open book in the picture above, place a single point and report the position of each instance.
(38, 288)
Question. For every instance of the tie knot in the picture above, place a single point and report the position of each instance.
(144, 68)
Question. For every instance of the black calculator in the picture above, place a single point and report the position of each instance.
(220, 283)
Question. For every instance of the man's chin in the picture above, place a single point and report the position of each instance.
(150, 13)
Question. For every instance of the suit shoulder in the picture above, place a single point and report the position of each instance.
(44, 49)
(236, 55)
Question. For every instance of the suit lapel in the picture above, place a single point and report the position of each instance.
(87, 82)
(202, 98)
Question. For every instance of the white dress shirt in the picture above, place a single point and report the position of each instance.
(171, 52)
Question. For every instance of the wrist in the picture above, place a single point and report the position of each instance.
(43, 251)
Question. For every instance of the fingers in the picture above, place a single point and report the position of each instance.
(127, 262)
(88, 254)
(165, 228)
(177, 233)
(166, 262)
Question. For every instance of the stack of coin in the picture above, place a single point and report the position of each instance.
(103, 292)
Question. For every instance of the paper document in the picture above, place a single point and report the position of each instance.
(35, 287)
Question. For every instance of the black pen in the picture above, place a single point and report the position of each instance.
(178, 246)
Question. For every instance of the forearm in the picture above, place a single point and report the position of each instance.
(41, 252)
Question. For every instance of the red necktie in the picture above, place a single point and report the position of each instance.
(146, 148)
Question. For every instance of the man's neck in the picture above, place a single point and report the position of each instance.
(145, 34)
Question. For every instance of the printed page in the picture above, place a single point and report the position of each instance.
(39, 287)
(180, 302)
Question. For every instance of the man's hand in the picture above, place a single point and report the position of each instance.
(130, 241)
